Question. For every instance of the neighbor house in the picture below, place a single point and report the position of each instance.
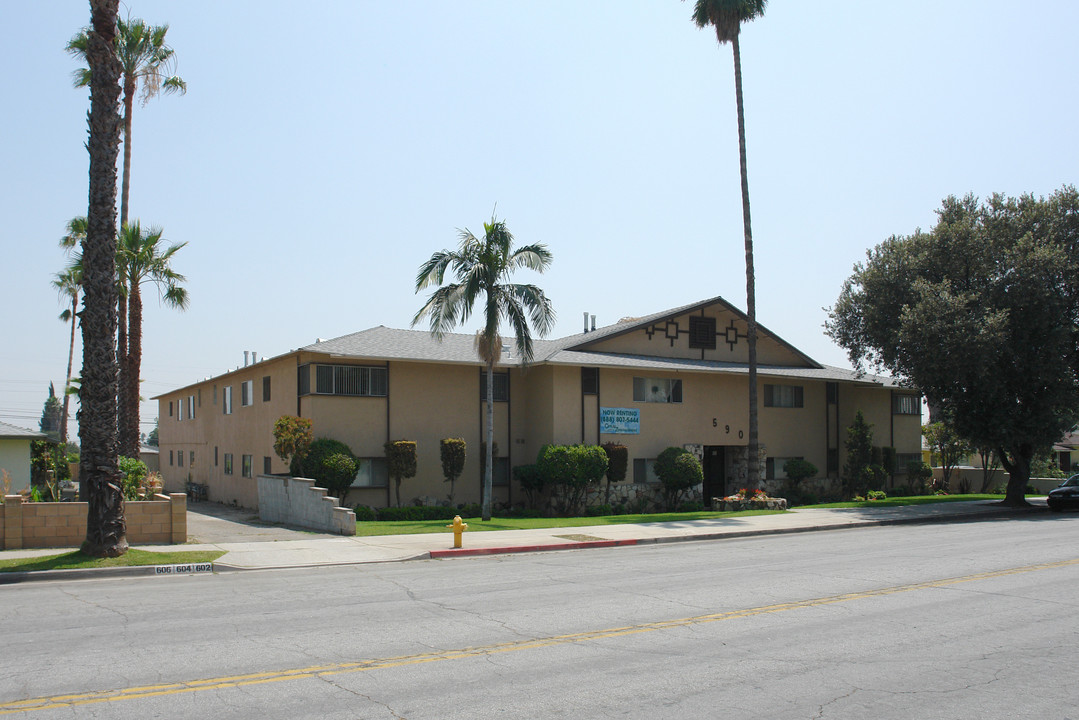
(678, 377)
(15, 455)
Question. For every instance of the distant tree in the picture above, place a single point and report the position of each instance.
(980, 315)
(617, 465)
(50, 416)
(452, 451)
(142, 257)
(727, 16)
(152, 438)
(400, 463)
(106, 530)
(292, 438)
(482, 269)
(947, 448)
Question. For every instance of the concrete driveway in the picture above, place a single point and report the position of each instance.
(214, 523)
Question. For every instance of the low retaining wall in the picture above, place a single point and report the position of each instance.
(53, 525)
(296, 501)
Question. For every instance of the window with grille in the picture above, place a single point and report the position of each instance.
(351, 380)
(906, 405)
(589, 381)
(702, 333)
(784, 396)
(501, 388)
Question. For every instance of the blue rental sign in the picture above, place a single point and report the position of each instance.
(620, 421)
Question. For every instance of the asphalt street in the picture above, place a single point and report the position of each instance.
(971, 620)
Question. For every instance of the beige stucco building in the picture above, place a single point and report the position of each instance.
(15, 454)
(677, 377)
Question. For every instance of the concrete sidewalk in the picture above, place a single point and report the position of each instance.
(321, 550)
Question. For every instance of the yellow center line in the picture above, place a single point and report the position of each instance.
(231, 681)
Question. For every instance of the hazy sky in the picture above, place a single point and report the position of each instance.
(322, 154)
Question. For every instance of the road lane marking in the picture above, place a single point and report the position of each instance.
(232, 681)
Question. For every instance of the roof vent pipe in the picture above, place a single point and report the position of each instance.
(245, 358)
(593, 323)
(254, 357)
(586, 321)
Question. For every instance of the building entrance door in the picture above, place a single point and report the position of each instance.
(715, 473)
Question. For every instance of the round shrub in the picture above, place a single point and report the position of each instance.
(325, 463)
(365, 513)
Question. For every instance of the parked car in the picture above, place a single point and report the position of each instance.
(1065, 495)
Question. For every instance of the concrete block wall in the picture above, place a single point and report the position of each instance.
(296, 501)
(57, 525)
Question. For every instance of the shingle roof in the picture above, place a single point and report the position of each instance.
(9, 432)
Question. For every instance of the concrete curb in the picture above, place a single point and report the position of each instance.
(219, 567)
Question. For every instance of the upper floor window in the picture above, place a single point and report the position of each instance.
(784, 396)
(589, 381)
(226, 400)
(351, 380)
(247, 393)
(657, 390)
(191, 407)
(266, 391)
(501, 388)
(906, 405)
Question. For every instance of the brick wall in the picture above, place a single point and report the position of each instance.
(296, 501)
(45, 525)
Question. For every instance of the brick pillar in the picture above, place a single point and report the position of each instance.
(178, 517)
(12, 522)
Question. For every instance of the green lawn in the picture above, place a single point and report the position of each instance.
(76, 560)
(916, 500)
(405, 527)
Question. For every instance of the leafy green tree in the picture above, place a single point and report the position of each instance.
(328, 462)
(980, 315)
(400, 462)
(452, 452)
(482, 270)
(531, 481)
(617, 465)
(106, 530)
(727, 16)
(555, 463)
(678, 470)
(292, 438)
(946, 447)
(152, 439)
(142, 258)
(858, 470)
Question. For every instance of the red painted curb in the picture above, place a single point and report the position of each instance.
(464, 552)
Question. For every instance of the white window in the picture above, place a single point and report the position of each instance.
(247, 393)
(191, 407)
(784, 396)
(657, 390)
(226, 400)
(371, 472)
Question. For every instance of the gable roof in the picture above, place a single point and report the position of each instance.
(385, 344)
(13, 432)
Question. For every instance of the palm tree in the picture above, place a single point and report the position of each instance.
(68, 283)
(482, 267)
(727, 16)
(106, 531)
(147, 62)
(141, 257)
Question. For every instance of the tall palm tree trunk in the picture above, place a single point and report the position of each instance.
(128, 445)
(106, 530)
(129, 375)
(488, 483)
(70, 359)
(751, 294)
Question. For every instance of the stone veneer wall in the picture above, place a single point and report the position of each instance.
(47, 525)
(296, 501)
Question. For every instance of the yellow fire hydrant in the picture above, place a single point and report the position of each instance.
(458, 528)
